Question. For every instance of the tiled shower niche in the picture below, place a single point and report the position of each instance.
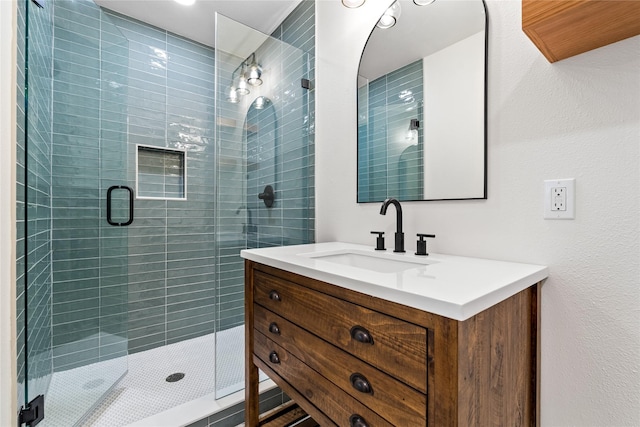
(161, 173)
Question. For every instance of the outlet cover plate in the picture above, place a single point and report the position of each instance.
(569, 184)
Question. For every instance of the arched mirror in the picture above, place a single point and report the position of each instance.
(422, 103)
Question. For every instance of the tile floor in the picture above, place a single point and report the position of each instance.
(144, 391)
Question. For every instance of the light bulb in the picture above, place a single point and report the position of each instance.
(232, 96)
(255, 71)
(390, 16)
(386, 21)
(353, 3)
(242, 86)
(260, 102)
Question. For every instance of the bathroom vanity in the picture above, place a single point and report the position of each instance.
(363, 338)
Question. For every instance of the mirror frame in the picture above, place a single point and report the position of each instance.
(485, 106)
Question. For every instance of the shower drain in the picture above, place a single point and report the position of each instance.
(175, 377)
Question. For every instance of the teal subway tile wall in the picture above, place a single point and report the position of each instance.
(143, 86)
(384, 141)
(279, 152)
(102, 88)
(89, 314)
(167, 91)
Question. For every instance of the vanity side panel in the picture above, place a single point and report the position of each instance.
(537, 346)
(443, 399)
(497, 364)
(252, 410)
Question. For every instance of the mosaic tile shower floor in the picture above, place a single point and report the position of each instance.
(144, 391)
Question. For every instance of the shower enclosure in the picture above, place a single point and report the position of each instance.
(138, 185)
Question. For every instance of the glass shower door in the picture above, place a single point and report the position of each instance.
(77, 206)
(263, 149)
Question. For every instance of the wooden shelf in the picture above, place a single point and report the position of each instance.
(287, 415)
(564, 28)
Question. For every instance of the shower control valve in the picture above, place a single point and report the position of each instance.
(267, 196)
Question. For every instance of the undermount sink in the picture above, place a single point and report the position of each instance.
(378, 262)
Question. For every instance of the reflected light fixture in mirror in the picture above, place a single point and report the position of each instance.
(249, 73)
(353, 3)
(412, 133)
(232, 96)
(261, 102)
(242, 84)
(255, 72)
(390, 16)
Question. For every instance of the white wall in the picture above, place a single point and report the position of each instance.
(7, 213)
(576, 118)
(453, 121)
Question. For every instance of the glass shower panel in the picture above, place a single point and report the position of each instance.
(263, 145)
(37, 370)
(76, 255)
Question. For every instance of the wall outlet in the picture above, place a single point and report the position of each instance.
(559, 198)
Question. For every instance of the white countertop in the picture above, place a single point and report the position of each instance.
(450, 286)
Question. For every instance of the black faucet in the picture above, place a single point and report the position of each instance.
(399, 237)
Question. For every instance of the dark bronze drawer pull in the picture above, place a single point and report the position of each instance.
(357, 421)
(360, 383)
(274, 329)
(273, 358)
(274, 295)
(360, 334)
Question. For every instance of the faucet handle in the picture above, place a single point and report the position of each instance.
(379, 240)
(422, 244)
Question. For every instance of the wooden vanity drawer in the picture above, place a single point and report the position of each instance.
(390, 344)
(395, 401)
(320, 392)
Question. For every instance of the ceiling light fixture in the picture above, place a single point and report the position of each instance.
(390, 16)
(185, 2)
(352, 3)
(423, 2)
